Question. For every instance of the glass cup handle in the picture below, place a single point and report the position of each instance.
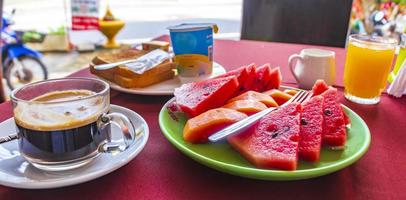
(291, 61)
(127, 132)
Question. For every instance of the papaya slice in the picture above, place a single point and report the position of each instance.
(252, 95)
(279, 96)
(248, 107)
(199, 128)
(290, 91)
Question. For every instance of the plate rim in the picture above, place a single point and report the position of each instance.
(117, 87)
(69, 181)
(268, 174)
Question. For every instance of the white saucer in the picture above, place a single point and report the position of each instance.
(18, 173)
(163, 88)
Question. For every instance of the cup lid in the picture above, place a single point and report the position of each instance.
(193, 27)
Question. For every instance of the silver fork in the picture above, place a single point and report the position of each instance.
(244, 124)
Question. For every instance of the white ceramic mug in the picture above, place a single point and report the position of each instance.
(313, 64)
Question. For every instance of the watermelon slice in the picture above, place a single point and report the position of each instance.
(311, 129)
(319, 87)
(346, 118)
(275, 79)
(263, 76)
(334, 130)
(273, 141)
(199, 128)
(196, 98)
(249, 82)
(241, 73)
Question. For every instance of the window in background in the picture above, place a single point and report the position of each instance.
(144, 19)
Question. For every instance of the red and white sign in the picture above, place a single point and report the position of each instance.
(85, 14)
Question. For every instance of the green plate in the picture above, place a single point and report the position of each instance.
(222, 157)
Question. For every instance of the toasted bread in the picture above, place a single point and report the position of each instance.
(125, 77)
(155, 44)
(142, 81)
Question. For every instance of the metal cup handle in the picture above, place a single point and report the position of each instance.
(127, 132)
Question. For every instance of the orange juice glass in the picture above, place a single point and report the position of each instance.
(369, 60)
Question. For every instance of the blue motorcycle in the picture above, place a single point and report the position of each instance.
(21, 65)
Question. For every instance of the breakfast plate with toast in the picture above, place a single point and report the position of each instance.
(160, 79)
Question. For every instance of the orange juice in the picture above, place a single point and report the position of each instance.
(369, 60)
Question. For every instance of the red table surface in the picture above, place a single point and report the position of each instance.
(162, 172)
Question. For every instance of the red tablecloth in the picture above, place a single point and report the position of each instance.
(162, 172)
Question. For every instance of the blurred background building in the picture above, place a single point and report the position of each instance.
(45, 24)
(144, 19)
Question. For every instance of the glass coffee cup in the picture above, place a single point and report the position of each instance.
(65, 123)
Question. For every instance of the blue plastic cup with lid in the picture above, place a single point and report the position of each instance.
(192, 44)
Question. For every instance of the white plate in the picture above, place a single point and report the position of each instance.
(163, 88)
(18, 173)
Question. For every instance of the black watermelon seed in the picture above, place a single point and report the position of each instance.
(303, 121)
(273, 133)
(327, 112)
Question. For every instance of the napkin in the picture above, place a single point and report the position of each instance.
(398, 86)
(148, 61)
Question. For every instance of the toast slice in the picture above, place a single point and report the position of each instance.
(125, 77)
(142, 81)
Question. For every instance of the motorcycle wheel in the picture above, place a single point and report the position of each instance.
(33, 68)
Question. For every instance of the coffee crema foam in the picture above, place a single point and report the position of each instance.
(58, 110)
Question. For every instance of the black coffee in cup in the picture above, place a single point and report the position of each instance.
(64, 124)
(65, 131)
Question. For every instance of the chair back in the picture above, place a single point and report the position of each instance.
(318, 22)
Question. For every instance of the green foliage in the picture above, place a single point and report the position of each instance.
(61, 30)
(32, 36)
(399, 2)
